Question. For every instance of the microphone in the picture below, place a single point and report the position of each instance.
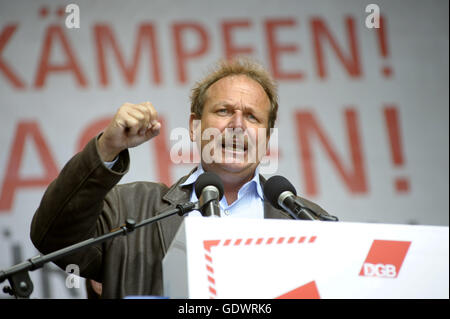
(282, 195)
(209, 191)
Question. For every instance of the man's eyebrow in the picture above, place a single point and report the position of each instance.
(230, 104)
(223, 103)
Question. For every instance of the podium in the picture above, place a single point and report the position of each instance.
(266, 259)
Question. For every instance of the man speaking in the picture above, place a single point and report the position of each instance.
(229, 109)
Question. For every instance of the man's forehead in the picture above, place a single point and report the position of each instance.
(237, 80)
(229, 88)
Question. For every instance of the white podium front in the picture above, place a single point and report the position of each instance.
(264, 259)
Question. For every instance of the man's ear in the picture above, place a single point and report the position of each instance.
(194, 127)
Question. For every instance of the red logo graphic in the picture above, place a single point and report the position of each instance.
(308, 291)
(385, 258)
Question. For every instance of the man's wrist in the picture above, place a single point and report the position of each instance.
(106, 154)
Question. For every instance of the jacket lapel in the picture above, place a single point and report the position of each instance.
(169, 226)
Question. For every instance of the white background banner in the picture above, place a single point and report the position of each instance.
(363, 121)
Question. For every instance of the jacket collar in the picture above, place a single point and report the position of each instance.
(178, 194)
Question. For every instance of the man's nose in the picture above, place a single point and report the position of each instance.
(237, 121)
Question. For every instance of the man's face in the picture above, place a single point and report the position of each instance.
(233, 126)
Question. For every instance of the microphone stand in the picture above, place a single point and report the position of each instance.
(21, 285)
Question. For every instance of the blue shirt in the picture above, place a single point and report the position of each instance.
(249, 203)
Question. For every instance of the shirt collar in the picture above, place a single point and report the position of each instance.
(255, 180)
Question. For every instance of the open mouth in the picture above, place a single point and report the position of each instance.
(235, 145)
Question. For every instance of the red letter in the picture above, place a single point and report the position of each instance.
(230, 49)
(321, 32)
(182, 54)
(12, 180)
(104, 36)
(307, 127)
(276, 49)
(55, 32)
(91, 131)
(4, 38)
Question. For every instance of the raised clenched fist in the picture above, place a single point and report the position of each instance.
(132, 125)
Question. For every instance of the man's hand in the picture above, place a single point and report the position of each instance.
(132, 125)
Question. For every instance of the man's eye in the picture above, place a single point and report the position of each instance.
(222, 111)
(252, 118)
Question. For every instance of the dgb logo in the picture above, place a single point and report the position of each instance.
(379, 270)
(385, 258)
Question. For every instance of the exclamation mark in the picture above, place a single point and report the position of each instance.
(386, 70)
(401, 184)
